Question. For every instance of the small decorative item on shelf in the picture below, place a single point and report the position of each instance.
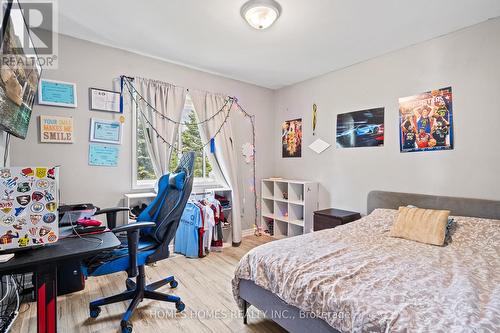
(258, 230)
(285, 195)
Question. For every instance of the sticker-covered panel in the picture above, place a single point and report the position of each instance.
(28, 206)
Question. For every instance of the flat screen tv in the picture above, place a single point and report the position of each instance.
(19, 72)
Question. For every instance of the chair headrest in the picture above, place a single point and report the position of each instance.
(176, 180)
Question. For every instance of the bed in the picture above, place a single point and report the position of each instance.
(355, 278)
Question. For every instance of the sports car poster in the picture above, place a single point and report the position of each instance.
(361, 128)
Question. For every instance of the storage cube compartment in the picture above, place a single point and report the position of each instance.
(296, 193)
(267, 207)
(280, 229)
(268, 224)
(281, 210)
(296, 214)
(267, 189)
(295, 230)
(281, 191)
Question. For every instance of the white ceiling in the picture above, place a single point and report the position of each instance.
(312, 37)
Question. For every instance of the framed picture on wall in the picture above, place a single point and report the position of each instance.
(55, 129)
(363, 128)
(426, 121)
(291, 138)
(104, 100)
(105, 131)
(103, 155)
(57, 93)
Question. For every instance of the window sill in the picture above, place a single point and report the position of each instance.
(143, 185)
(198, 185)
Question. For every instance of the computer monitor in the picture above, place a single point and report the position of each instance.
(20, 72)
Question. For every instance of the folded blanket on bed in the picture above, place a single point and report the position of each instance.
(359, 279)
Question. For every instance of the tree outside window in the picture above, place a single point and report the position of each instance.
(145, 169)
(188, 139)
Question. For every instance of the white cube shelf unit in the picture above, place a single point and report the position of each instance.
(287, 206)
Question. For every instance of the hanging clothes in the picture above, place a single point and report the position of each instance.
(201, 231)
(200, 228)
(210, 218)
(187, 234)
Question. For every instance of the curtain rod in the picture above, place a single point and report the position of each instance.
(130, 78)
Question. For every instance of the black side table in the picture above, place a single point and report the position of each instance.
(331, 218)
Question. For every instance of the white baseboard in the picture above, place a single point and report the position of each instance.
(247, 232)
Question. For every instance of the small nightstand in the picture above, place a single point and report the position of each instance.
(331, 218)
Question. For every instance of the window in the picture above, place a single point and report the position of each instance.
(188, 139)
(145, 171)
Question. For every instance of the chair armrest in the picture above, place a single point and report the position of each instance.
(133, 226)
(132, 230)
(111, 210)
(111, 214)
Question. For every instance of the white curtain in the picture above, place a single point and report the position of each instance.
(169, 101)
(206, 105)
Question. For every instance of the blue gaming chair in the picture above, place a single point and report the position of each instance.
(146, 242)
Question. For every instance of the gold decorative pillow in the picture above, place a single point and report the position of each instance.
(421, 225)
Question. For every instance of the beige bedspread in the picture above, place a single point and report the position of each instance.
(359, 279)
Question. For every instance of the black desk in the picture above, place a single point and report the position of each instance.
(43, 263)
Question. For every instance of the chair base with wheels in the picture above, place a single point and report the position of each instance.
(137, 291)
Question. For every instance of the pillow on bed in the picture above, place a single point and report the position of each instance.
(421, 225)
(448, 224)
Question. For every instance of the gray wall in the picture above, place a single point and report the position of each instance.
(468, 60)
(91, 65)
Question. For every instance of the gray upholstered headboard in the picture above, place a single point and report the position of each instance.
(488, 209)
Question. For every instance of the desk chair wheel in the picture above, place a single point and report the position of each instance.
(94, 312)
(173, 284)
(126, 326)
(180, 306)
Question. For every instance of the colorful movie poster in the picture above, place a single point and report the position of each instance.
(291, 138)
(361, 128)
(426, 121)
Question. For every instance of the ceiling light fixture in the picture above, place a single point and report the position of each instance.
(261, 14)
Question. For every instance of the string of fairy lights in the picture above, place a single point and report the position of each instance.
(139, 101)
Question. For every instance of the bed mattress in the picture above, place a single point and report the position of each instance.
(357, 278)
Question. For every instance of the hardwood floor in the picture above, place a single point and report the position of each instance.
(204, 286)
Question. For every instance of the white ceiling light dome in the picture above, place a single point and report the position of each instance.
(261, 14)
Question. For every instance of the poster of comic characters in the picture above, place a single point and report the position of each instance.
(28, 206)
(291, 138)
(426, 121)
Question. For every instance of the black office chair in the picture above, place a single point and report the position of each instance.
(146, 242)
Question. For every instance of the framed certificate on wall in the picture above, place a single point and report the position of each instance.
(103, 155)
(106, 131)
(57, 93)
(104, 100)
